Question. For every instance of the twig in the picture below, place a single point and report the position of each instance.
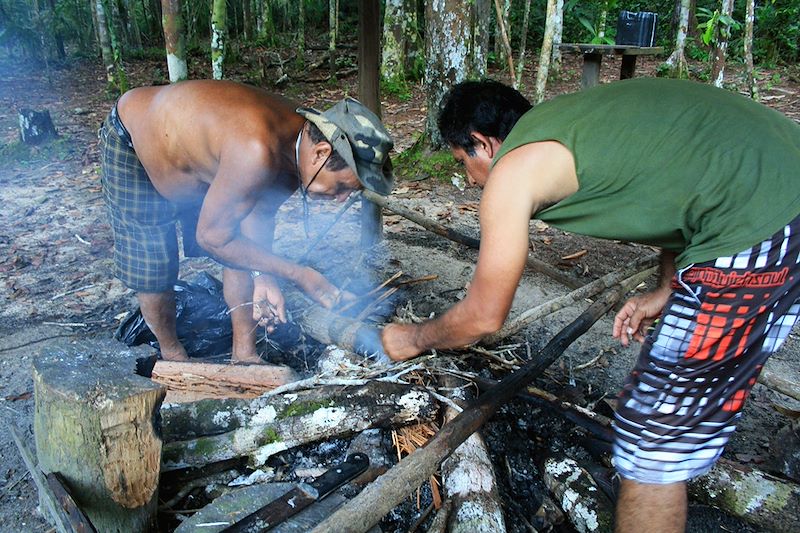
(590, 363)
(67, 324)
(79, 289)
(367, 294)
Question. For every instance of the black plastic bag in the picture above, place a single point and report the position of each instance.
(202, 320)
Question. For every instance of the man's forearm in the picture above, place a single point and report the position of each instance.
(457, 328)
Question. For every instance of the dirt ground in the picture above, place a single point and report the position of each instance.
(56, 283)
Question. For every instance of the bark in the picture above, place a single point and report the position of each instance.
(116, 46)
(292, 419)
(380, 497)
(586, 507)
(546, 51)
(601, 22)
(523, 38)
(267, 22)
(504, 28)
(555, 66)
(677, 60)
(756, 497)
(472, 242)
(134, 32)
(481, 21)
(469, 482)
(219, 37)
(394, 40)
(447, 45)
(95, 424)
(172, 22)
(301, 32)
(721, 45)
(36, 127)
(196, 381)
(633, 272)
(247, 19)
(333, 17)
(749, 21)
(105, 45)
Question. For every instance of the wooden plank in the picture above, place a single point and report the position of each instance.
(591, 70)
(194, 381)
(609, 49)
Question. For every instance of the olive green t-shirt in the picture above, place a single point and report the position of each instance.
(690, 168)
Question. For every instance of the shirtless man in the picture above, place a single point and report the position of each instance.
(222, 157)
(707, 175)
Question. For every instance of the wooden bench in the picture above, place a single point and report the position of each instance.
(593, 56)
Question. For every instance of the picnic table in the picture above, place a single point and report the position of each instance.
(593, 56)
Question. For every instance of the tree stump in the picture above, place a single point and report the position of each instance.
(36, 127)
(96, 425)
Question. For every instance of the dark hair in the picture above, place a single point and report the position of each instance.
(487, 106)
(335, 161)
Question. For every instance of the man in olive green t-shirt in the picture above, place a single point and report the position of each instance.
(708, 176)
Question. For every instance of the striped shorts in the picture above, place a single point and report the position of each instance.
(143, 221)
(680, 404)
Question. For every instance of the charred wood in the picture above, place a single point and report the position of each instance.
(586, 507)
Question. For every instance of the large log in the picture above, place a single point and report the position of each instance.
(95, 425)
(288, 420)
(191, 381)
(387, 491)
(587, 508)
(756, 497)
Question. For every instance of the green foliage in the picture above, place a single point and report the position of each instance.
(417, 163)
(777, 32)
(397, 87)
(18, 152)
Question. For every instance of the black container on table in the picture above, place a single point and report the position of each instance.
(637, 29)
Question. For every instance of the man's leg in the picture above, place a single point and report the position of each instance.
(648, 507)
(158, 310)
(238, 291)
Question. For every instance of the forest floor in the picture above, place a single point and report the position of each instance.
(55, 260)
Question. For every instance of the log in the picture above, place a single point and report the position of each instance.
(387, 491)
(586, 507)
(641, 269)
(756, 497)
(190, 381)
(59, 507)
(470, 483)
(95, 425)
(779, 384)
(292, 419)
(456, 236)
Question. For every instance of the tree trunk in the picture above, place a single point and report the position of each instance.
(447, 44)
(677, 60)
(95, 424)
(174, 40)
(36, 127)
(333, 17)
(721, 45)
(301, 33)
(481, 22)
(502, 31)
(133, 30)
(394, 41)
(602, 20)
(523, 38)
(546, 51)
(112, 84)
(505, 34)
(288, 420)
(749, 21)
(247, 19)
(219, 37)
(267, 22)
(114, 27)
(557, 38)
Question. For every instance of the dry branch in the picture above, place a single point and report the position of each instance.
(387, 491)
(634, 271)
(195, 381)
(449, 233)
(288, 420)
(586, 507)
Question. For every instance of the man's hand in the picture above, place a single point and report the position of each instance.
(269, 307)
(319, 289)
(398, 341)
(638, 314)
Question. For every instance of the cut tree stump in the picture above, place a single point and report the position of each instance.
(287, 420)
(189, 382)
(36, 127)
(95, 425)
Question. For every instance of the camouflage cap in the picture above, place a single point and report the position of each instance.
(358, 136)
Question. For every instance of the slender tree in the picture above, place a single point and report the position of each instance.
(134, 32)
(174, 40)
(114, 27)
(546, 52)
(677, 60)
(481, 24)
(752, 84)
(247, 19)
(555, 66)
(394, 40)
(301, 32)
(722, 32)
(105, 45)
(523, 38)
(447, 42)
(504, 31)
(267, 22)
(333, 26)
(219, 37)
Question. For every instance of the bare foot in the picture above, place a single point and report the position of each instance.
(178, 354)
(249, 359)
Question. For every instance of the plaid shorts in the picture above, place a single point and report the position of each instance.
(680, 404)
(143, 221)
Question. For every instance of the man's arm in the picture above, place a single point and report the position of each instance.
(522, 181)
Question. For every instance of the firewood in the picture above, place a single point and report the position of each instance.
(586, 507)
(641, 268)
(455, 236)
(288, 420)
(470, 483)
(195, 381)
(95, 424)
(387, 491)
(754, 496)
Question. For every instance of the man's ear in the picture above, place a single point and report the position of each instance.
(320, 151)
(486, 143)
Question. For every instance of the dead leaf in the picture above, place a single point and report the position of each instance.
(576, 255)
